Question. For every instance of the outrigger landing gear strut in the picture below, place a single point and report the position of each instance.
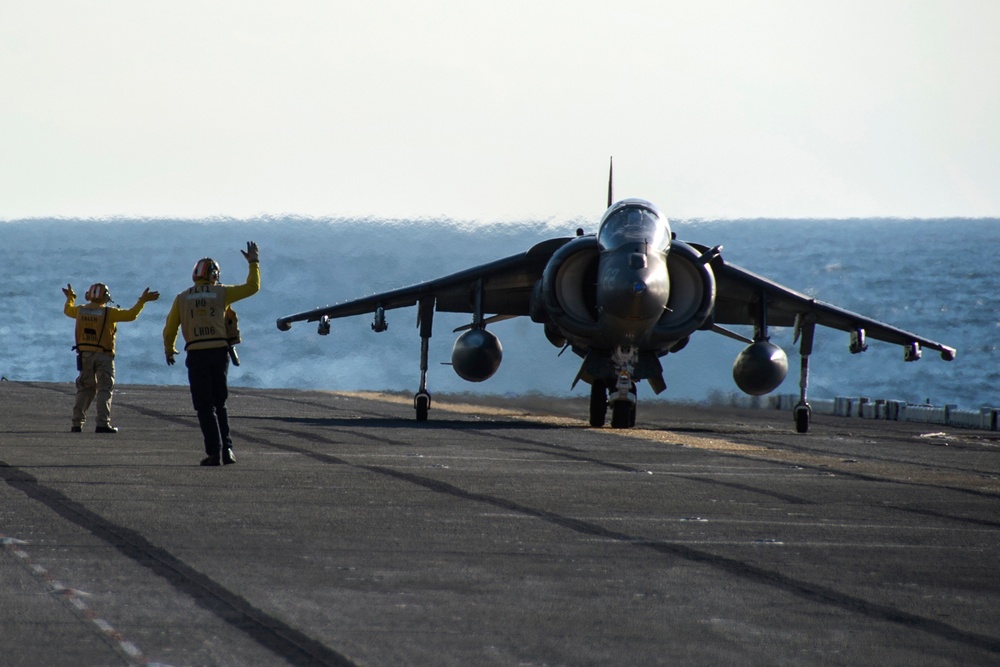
(805, 331)
(425, 319)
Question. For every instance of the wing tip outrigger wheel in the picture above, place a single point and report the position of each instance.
(422, 404)
(802, 413)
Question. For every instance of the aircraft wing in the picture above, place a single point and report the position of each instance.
(738, 294)
(506, 289)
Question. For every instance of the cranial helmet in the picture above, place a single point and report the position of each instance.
(206, 269)
(99, 293)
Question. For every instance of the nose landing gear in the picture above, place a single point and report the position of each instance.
(622, 395)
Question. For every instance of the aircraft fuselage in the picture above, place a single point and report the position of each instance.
(632, 284)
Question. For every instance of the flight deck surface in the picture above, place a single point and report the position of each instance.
(499, 532)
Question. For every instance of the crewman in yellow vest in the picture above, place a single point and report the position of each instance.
(96, 327)
(200, 312)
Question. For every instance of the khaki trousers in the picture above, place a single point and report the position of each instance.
(96, 380)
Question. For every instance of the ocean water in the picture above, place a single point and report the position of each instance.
(934, 277)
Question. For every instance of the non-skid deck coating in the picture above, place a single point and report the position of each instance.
(500, 534)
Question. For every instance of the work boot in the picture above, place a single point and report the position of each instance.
(210, 461)
(228, 456)
(106, 429)
(75, 429)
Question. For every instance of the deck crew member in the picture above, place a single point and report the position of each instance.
(96, 329)
(200, 312)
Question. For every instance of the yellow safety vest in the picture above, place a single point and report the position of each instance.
(203, 316)
(94, 333)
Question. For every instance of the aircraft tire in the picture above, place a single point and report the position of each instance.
(598, 403)
(622, 414)
(422, 408)
(634, 406)
(802, 415)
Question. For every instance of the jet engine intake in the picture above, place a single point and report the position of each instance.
(568, 289)
(760, 368)
(476, 355)
(692, 295)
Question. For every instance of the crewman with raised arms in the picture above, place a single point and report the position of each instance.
(200, 313)
(96, 330)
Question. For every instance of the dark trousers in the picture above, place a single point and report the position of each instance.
(207, 373)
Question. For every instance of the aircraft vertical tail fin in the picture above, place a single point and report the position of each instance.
(611, 182)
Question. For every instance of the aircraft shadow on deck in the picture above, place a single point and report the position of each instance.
(404, 423)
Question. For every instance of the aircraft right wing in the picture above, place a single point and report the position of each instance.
(506, 289)
(739, 293)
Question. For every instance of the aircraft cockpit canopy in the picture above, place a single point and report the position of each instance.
(634, 221)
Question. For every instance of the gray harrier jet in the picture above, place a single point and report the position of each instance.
(621, 300)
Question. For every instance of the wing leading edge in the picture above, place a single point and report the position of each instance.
(506, 289)
(740, 293)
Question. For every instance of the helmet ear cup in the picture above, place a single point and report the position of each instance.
(98, 292)
(206, 269)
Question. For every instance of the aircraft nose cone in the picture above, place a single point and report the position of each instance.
(637, 296)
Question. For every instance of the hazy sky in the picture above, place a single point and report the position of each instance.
(497, 110)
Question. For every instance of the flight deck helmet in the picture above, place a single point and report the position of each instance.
(206, 269)
(98, 293)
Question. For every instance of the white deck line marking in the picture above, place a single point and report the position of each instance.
(75, 598)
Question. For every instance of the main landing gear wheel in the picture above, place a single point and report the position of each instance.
(635, 406)
(598, 403)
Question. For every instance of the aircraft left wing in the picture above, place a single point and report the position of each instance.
(506, 286)
(739, 294)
